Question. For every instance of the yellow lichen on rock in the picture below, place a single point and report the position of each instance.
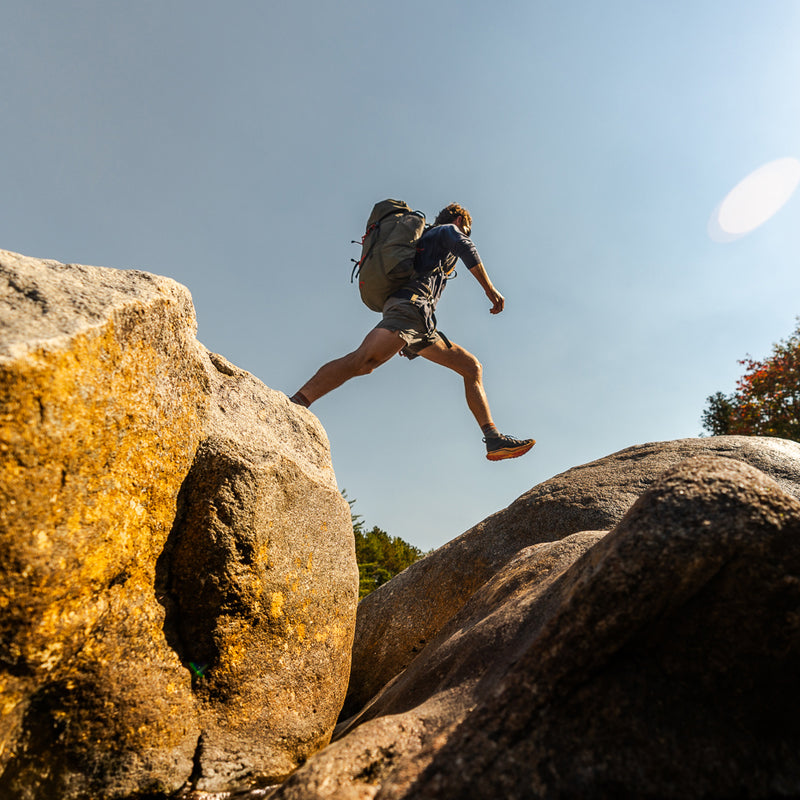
(102, 403)
(88, 483)
(276, 605)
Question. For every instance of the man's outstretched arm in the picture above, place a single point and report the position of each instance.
(497, 300)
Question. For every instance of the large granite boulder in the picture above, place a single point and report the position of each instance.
(658, 660)
(102, 402)
(140, 652)
(260, 581)
(396, 621)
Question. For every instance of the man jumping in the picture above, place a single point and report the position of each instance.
(408, 327)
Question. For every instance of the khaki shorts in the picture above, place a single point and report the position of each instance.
(408, 322)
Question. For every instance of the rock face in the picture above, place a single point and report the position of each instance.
(396, 621)
(103, 401)
(137, 649)
(658, 660)
(261, 584)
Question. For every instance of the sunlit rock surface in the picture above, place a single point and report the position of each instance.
(103, 398)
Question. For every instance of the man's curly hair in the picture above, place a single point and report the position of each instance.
(451, 213)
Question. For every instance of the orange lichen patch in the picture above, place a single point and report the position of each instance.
(97, 432)
(276, 605)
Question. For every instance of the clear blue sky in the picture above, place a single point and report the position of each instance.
(238, 147)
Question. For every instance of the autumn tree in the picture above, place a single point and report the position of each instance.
(766, 401)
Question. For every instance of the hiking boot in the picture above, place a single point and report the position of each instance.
(500, 447)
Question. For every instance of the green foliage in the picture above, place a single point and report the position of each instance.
(717, 414)
(380, 557)
(767, 397)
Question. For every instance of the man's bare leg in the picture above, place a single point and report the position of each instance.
(378, 347)
(470, 369)
(498, 446)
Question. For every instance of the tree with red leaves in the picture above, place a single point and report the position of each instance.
(767, 397)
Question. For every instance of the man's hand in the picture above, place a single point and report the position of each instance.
(497, 300)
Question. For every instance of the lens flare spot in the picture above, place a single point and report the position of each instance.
(755, 199)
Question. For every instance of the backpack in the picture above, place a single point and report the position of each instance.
(388, 248)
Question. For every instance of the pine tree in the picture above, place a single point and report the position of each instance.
(379, 556)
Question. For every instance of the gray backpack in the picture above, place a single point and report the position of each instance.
(388, 249)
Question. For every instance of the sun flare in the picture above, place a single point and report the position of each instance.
(755, 199)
